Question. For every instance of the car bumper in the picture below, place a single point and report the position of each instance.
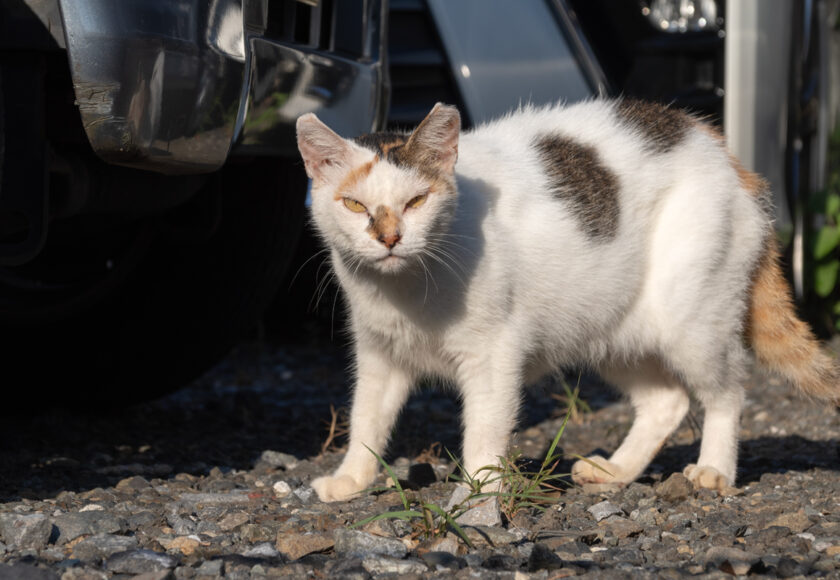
(178, 86)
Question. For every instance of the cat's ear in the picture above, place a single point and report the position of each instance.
(322, 149)
(435, 140)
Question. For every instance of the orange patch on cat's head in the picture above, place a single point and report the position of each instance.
(353, 177)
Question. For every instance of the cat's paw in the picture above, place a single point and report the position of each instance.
(336, 487)
(596, 469)
(706, 477)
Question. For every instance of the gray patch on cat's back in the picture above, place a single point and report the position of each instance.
(661, 126)
(577, 177)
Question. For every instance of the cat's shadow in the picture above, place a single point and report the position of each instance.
(759, 456)
(439, 412)
(68, 451)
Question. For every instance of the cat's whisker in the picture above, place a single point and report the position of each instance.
(426, 275)
(444, 263)
(302, 266)
(445, 254)
(456, 248)
(332, 317)
(323, 286)
(322, 281)
(358, 265)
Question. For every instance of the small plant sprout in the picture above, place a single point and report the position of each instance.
(515, 488)
(430, 520)
(573, 406)
(539, 489)
(338, 427)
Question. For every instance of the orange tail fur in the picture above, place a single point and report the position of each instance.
(780, 340)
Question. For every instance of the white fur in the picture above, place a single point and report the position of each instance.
(516, 289)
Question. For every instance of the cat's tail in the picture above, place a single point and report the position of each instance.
(781, 341)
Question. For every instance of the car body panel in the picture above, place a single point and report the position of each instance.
(495, 70)
(172, 86)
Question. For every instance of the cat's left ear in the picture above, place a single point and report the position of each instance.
(322, 149)
(435, 140)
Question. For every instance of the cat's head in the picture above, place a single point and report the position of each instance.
(382, 199)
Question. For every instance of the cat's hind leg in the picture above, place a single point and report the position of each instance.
(660, 402)
(717, 383)
(717, 464)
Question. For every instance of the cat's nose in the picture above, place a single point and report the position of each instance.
(390, 239)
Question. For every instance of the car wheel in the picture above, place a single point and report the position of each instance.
(134, 310)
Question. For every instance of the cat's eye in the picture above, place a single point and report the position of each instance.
(417, 201)
(354, 205)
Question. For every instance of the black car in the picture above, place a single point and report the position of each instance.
(151, 192)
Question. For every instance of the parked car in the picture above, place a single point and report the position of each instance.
(151, 194)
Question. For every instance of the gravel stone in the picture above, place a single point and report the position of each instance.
(603, 510)
(677, 487)
(92, 507)
(484, 512)
(134, 483)
(101, 546)
(25, 572)
(621, 528)
(279, 460)
(233, 521)
(295, 546)
(195, 501)
(442, 561)
(281, 489)
(796, 522)
(187, 545)
(73, 525)
(25, 532)
(447, 543)
(730, 560)
(305, 494)
(264, 550)
(253, 533)
(541, 558)
(489, 535)
(212, 568)
(386, 565)
(139, 562)
(356, 544)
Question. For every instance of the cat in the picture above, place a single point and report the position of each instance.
(615, 235)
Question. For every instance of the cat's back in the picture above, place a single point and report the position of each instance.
(625, 135)
(610, 162)
(608, 207)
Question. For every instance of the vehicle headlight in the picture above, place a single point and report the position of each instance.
(682, 15)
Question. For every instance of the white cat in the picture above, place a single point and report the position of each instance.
(616, 235)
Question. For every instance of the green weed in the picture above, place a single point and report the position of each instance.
(516, 489)
(430, 519)
(574, 407)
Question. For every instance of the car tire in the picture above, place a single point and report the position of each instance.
(196, 281)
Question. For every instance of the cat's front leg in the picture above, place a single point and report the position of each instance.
(491, 398)
(380, 392)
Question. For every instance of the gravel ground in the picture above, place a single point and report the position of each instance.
(213, 482)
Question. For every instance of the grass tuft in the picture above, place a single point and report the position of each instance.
(516, 488)
(573, 406)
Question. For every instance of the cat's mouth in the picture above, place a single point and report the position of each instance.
(391, 262)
